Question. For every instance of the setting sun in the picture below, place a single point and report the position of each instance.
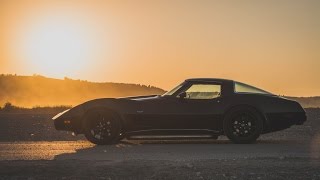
(56, 40)
(56, 46)
(160, 43)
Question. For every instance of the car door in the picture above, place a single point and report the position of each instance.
(198, 110)
(160, 113)
(201, 106)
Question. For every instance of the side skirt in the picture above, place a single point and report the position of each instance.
(157, 134)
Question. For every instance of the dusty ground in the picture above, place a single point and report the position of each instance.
(207, 159)
(31, 149)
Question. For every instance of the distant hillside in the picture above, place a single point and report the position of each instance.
(307, 102)
(30, 91)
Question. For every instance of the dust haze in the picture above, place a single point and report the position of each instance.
(30, 91)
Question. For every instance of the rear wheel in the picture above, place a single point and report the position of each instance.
(243, 125)
(102, 127)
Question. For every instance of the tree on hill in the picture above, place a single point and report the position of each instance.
(8, 107)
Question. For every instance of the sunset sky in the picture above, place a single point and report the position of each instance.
(271, 44)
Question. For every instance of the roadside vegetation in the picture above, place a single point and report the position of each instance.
(9, 108)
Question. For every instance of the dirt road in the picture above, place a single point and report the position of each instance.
(196, 159)
(156, 150)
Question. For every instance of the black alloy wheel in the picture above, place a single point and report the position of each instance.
(243, 125)
(101, 127)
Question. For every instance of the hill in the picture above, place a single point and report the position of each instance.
(30, 91)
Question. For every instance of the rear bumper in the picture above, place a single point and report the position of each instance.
(301, 118)
(279, 121)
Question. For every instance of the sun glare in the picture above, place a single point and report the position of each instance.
(57, 46)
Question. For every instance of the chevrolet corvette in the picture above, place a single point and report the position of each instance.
(199, 107)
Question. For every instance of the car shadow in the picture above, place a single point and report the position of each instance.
(182, 149)
(203, 141)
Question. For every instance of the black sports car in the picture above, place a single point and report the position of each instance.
(202, 107)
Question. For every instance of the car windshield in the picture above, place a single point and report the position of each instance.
(245, 88)
(169, 93)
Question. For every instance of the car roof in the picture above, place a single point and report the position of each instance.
(208, 80)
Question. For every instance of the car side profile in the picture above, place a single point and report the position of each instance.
(199, 107)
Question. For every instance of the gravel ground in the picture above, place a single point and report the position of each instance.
(31, 127)
(151, 160)
(265, 168)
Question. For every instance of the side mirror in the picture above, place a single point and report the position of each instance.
(182, 95)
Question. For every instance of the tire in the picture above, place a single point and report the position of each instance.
(243, 125)
(101, 127)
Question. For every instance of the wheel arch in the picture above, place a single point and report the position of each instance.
(266, 124)
(102, 108)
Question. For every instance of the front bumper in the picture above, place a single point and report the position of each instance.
(62, 121)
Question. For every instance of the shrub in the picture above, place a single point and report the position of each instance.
(8, 107)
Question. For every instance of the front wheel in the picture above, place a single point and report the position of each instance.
(243, 125)
(101, 127)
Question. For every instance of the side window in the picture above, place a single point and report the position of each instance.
(245, 88)
(203, 91)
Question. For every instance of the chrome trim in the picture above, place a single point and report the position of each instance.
(209, 130)
(60, 114)
(168, 136)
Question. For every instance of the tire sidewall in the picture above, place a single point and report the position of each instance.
(87, 130)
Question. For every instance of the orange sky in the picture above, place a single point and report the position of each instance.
(272, 44)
